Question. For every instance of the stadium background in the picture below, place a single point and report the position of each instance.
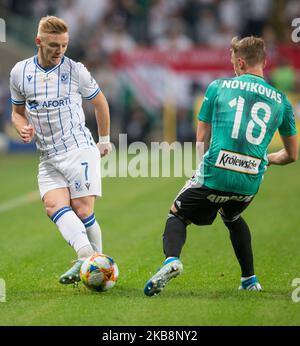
(153, 60)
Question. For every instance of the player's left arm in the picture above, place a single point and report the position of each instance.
(103, 122)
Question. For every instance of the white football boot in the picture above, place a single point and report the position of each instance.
(171, 268)
(73, 274)
(250, 284)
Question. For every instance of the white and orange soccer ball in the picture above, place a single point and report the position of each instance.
(99, 272)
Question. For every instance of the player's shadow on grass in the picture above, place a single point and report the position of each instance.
(210, 294)
(169, 292)
(124, 292)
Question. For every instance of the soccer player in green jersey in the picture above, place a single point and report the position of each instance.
(237, 121)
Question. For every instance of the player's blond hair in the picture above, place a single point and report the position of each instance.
(250, 48)
(52, 25)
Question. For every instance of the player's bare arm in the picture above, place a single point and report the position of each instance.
(286, 155)
(20, 122)
(103, 121)
(203, 136)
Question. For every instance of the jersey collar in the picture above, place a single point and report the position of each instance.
(254, 75)
(47, 70)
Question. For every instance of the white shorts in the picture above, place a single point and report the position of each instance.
(78, 170)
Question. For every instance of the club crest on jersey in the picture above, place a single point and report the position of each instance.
(33, 104)
(29, 77)
(64, 77)
(78, 186)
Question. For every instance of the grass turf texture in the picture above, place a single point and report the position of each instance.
(132, 216)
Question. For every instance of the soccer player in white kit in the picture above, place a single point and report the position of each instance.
(46, 95)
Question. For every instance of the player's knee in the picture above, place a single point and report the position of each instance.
(183, 219)
(173, 209)
(174, 212)
(55, 199)
(50, 208)
(49, 211)
(228, 218)
(82, 211)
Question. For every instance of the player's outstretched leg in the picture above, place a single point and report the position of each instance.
(241, 241)
(171, 268)
(73, 231)
(173, 240)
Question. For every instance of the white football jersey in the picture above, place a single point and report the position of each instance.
(53, 101)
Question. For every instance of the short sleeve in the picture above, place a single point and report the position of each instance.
(17, 97)
(205, 113)
(88, 87)
(288, 125)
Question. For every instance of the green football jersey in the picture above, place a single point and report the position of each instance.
(244, 113)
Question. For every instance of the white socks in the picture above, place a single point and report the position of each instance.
(73, 230)
(94, 233)
(85, 252)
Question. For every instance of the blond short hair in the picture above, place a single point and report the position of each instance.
(52, 25)
(250, 48)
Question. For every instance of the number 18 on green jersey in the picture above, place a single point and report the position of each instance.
(244, 113)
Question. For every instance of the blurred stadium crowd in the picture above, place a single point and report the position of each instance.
(101, 28)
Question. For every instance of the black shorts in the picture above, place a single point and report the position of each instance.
(200, 205)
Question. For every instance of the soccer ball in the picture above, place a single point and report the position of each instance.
(99, 272)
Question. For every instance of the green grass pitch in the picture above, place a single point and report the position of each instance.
(132, 214)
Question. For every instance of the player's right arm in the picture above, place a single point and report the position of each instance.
(287, 155)
(289, 138)
(18, 115)
(21, 124)
(203, 136)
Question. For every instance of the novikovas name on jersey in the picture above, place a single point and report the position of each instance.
(244, 113)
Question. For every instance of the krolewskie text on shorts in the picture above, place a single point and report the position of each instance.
(238, 162)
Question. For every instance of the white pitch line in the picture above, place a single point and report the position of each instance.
(29, 197)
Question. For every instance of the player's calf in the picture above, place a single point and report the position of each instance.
(174, 236)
